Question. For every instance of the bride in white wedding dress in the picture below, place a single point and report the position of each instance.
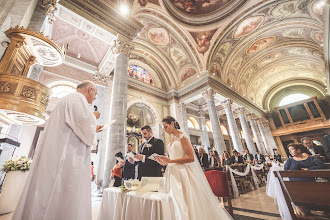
(185, 179)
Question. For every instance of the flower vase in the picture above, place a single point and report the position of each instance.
(12, 190)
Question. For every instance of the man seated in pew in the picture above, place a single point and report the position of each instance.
(301, 161)
(259, 158)
(277, 156)
(248, 157)
(312, 149)
(236, 160)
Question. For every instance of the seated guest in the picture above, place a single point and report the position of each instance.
(311, 147)
(225, 159)
(326, 146)
(236, 160)
(204, 158)
(301, 161)
(117, 170)
(214, 159)
(277, 156)
(248, 157)
(260, 158)
(129, 167)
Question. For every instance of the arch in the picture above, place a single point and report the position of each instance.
(209, 126)
(61, 88)
(224, 130)
(194, 123)
(152, 109)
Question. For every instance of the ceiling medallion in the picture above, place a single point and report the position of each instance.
(198, 13)
(22, 99)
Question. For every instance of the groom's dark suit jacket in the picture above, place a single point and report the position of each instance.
(150, 167)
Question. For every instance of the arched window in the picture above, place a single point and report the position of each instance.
(293, 98)
(190, 124)
(141, 74)
(224, 130)
(193, 123)
(208, 126)
(61, 88)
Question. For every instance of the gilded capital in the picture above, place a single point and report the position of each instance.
(120, 46)
(227, 103)
(208, 93)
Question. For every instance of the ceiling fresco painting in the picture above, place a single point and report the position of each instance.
(187, 74)
(268, 41)
(203, 40)
(200, 6)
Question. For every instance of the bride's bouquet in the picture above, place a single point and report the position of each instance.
(22, 164)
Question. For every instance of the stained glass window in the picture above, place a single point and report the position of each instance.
(141, 74)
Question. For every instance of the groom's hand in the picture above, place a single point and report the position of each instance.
(139, 157)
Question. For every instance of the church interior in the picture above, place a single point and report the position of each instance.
(236, 74)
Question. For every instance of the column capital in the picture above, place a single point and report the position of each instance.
(101, 79)
(201, 113)
(227, 103)
(240, 111)
(182, 106)
(208, 94)
(121, 46)
(48, 7)
(251, 116)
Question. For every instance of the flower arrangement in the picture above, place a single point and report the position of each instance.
(22, 164)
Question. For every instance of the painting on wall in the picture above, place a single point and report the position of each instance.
(200, 7)
(158, 36)
(215, 69)
(248, 25)
(269, 58)
(318, 37)
(203, 40)
(141, 74)
(260, 45)
(318, 9)
(187, 73)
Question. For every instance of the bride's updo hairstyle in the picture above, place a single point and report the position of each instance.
(169, 120)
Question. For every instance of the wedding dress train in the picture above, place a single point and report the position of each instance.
(191, 192)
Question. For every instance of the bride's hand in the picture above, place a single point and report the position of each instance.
(163, 160)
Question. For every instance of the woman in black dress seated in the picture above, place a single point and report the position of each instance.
(301, 161)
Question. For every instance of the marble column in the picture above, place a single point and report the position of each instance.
(118, 111)
(263, 136)
(233, 130)
(219, 141)
(252, 118)
(183, 110)
(246, 130)
(269, 137)
(205, 133)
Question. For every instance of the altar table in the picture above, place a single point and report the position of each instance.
(123, 205)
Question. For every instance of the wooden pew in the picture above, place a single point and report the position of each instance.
(310, 192)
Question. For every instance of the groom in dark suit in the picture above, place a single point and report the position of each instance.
(147, 167)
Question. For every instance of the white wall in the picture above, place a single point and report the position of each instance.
(25, 138)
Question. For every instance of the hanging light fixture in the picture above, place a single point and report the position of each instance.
(24, 100)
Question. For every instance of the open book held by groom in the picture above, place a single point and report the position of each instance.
(148, 167)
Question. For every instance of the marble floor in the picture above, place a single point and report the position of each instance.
(254, 205)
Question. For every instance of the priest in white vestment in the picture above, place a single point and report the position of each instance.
(58, 185)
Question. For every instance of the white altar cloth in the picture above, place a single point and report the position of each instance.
(122, 205)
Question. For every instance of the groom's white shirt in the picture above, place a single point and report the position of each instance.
(144, 145)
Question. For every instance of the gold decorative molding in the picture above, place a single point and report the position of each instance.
(106, 15)
(22, 99)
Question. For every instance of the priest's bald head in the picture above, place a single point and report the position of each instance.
(88, 89)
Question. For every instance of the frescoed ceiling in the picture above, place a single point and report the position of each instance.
(253, 46)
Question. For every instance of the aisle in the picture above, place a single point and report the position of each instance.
(255, 205)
